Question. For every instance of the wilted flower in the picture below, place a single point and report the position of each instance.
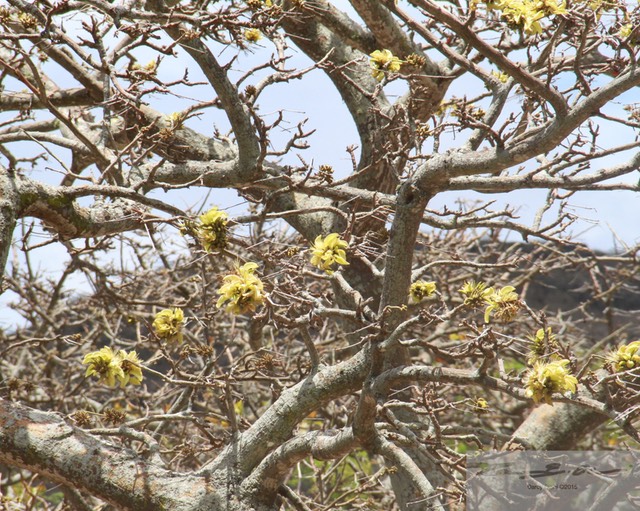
(212, 231)
(105, 364)
(625, 357)
(546, 378)
(5, 15)
(168, 324)
(504, 304)
(243, 290)
(381, 61)
(421, 290)
(416, 60)
(475, 293)
(81, 418)
(27, 20)
(328, 251)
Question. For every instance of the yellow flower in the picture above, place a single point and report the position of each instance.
(421, 290)
(105, 364)
(504, 304)
(168, 324)
(625, 357)
(552, 7)
(481, 403)
(110, 367)
(130, 365)
(443, 108)
(381, 61)
(175, 120)
(149, 68)
(253, 35)
(328, 251)
(500, 76)
(475, 293)
(523, 13)
(480, 406)
(542, 344)
(243, 290)
(212, 231)
(544, 379)
(625, 33)
(213, 217)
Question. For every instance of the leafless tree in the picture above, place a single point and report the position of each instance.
(306, 383)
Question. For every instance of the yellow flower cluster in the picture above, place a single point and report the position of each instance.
(625, 357)
(253, 35)
(475, 293)
(329, 251)
(526, 14)
(481, 406)
(243, 290)
(381, 61)
(212, 231)
(625, 30)
(167, 324)
(544, 379)
(421, 290)
(500, 76)
(503, 304)
(175, 120)
(257, 4)
(149, 68)
(112, 367)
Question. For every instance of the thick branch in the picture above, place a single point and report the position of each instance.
(322, 445)
(466, 32)
(276, 424)
(58, 209)
(427, 89)
(437, 171)
(60, 98)
(43, 443)
(395, 456)
(246, 137)
(9, 200)
(342, 25)
(402, 239)
(543, 180)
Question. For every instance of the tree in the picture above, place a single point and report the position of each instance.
(338, 344)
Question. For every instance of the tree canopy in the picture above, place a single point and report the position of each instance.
(337, 342)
